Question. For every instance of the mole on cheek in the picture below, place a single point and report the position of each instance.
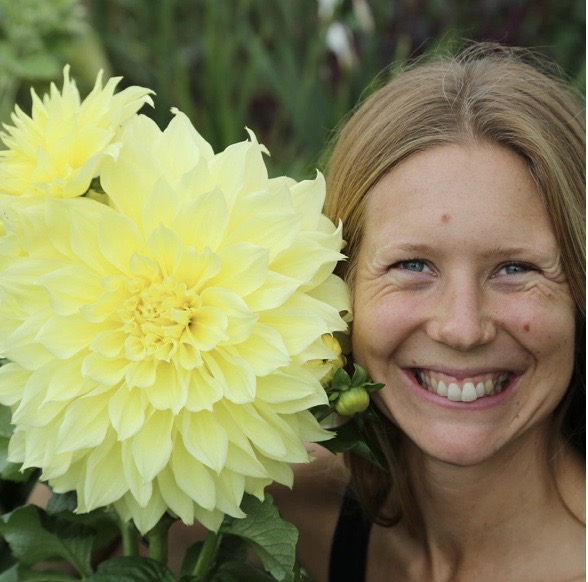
(526, 327)
(445, 218)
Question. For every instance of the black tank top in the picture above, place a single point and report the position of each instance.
(348, 558)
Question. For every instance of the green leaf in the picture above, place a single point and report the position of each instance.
(131, 569)
(237, 571)
(20, 573)
(341, 379)
(6, 427)
(273, 538)
(359, 375)
(35, 536)
(349, 437)
(9, 471)
(373, 386)
(59, 502)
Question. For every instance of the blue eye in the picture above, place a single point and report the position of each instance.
(413, 265)
(514, 269)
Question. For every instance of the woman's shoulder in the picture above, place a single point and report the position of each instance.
(313, 505)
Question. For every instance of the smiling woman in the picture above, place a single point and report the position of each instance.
(445, 331)
(460, 184)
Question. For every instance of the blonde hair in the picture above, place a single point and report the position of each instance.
(485, 94)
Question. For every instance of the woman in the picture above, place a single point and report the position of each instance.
(460, 184)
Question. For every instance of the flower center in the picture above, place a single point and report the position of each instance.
(158, 317)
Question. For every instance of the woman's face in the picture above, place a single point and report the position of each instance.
(461, 305)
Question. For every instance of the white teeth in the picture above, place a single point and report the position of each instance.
(469, 392)
(453, 392)
(442, 389)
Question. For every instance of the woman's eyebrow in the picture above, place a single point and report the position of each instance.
(509, 252)
(412, 248)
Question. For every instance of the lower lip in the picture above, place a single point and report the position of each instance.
(483, 403)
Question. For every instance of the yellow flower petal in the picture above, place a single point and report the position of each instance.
(105, 459)
(244, 268)
(69, 288)
(264, 350)
(126, 410)
(105, 371)
(65, 336)
(178, 501)
(230, 488)
(145, 516)
(203, 222)
(193, 478)
(12, 380)
(205, 439)
(261, 434)
(233, 374)
(84, 425)
(152, 445)
(169, 391)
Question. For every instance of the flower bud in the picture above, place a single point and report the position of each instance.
(352, 401)
(330, 365)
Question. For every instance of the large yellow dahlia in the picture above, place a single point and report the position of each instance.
(58, 149)
(163, 347)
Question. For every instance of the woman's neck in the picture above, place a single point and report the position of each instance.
(505, 508)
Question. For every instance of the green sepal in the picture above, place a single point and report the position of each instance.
(360, 376)
(341, 380)
(373, 386)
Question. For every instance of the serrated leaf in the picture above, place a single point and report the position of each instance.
(273, 538)
(131, 569)
(35, 536)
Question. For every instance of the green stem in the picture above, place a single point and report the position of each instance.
(157, 539)
(207, 555)
(130, 538)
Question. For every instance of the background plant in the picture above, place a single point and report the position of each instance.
(266, 64)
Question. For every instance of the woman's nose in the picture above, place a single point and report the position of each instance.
(461, 319)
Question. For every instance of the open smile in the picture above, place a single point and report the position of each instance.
(464, 389)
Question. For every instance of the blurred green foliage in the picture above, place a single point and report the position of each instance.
(271, 65)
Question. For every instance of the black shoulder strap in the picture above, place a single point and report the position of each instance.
(350, 543)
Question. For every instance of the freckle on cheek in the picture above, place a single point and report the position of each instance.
(445, 218)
